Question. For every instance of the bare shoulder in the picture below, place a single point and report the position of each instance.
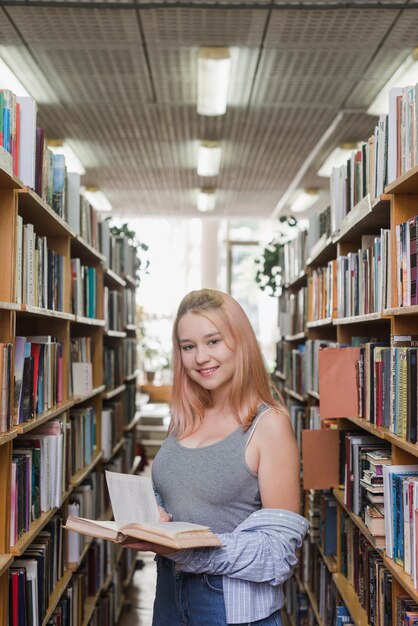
(274, 422)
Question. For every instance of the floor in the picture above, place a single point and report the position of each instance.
(140, 597)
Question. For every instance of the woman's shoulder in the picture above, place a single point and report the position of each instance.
(273, 421)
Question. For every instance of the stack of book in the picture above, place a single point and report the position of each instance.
(322, 292)
(83, 289)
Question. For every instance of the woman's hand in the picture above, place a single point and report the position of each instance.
(164, 516)
(146, 546)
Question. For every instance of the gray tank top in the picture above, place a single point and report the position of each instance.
(211, 485)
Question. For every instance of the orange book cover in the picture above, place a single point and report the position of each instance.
(338, 382)
(320, 455)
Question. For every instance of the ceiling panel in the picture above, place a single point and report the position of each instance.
(121, 86)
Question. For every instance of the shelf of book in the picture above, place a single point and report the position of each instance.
(350, 598)
(295, 395)
(130, 281)
(360, 319)
(313, 394)
(59, 589)
(407, 183)
(114, 279)
(297, 282)
(5, 562)
(131, 377)
(404, 579)
(327, 321)
(73, 567)
(25, 427)
(10, 306)
(366, 216)
(314, 604)
(90, 604)
(402, 310)
(296, 337)
(385, 433)
(89, 321)
(79, 476)
(35, 528)
(117, 334)
(35, 310)
(322, 251)
(130, 327)
(133, 422)
(339, 496)
(108, 395)
(36, 211)
(88, 396)
(330, 561)
(115, 450)
(80, 247)
(8, 436)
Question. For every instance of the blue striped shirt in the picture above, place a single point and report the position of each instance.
(255, 560)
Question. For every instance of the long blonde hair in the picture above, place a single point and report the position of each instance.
(251, 383)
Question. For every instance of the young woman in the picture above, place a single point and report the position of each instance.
(230, 462)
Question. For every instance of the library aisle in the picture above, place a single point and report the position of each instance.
(270, 149)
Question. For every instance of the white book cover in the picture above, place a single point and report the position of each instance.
(393, 133)
(82, 378)
(74, 539)
(27, 149)
(19, 259)
(73, 201)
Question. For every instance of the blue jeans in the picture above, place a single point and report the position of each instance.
(193, 599)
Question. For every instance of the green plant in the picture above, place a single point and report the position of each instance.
(268, 271)
(142, 263)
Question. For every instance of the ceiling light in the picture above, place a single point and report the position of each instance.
(97, 199)
(305, 198)
(72, 162)
(209, 158)
(206, 200)
(213, 66)
(338, 157)
(8, 80)
(406, 74)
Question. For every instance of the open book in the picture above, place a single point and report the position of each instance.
(136, 514)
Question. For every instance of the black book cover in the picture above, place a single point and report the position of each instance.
(411, 432)
(21, 594)
(26, 404)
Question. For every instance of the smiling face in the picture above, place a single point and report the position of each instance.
(204, 353)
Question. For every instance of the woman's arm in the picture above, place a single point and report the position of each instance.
(279, 464)
(261, 549)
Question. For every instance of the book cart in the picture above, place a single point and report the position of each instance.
(21, 319)
(397, 205)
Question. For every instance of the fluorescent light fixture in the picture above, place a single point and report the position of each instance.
(339, 156)
(213, 67)
(304, 199)
(72, 162)
(8, 80)
(97, 199)
(209, 158)
(406, 74)
(206, 200)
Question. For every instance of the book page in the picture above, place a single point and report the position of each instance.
(132, 498)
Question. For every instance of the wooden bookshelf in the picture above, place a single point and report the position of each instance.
(60, 587)
(116, 334)
(327, 321)
(295, 395)
(115, 450)
(114, 279)
(297, 282)
(360, 319)
(314, 604)
(351, 600)
(322, 252)
(131, 377)
(5, 562)
(73, 567)
(296, 337)
(20, 319)
(108, 395)
(133, 422)
(366, 216)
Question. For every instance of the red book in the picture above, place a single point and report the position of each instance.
(35, 351)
